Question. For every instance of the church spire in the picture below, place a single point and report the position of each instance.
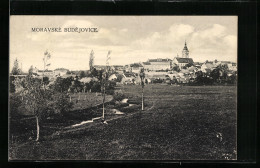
(185, 51)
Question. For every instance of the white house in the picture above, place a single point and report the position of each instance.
(60, 71)
(128, 78)
(157, 64)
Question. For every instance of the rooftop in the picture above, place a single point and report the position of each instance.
(136, 65)
(146, 63)
(159, 60)
(185, 60)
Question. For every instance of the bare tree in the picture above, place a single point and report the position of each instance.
(105, 75)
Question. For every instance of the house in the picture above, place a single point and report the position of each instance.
(136, 67)
(60, 71)
(45, 73)
(128, 78)
(88, 79)
(100, 67)
(112, 77)
(157, 64)
(231, 65)
(118, 68)
(146, 65)
(181, 62)
(208, 66)
(197, 64)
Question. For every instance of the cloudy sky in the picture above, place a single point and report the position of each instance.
(130, 38)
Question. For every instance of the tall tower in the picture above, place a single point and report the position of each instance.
(185, 51)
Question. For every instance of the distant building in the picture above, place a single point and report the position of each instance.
(45, 73)
(197, 64)
(208, 66)
(231, 65)
(181, 62)
(157, 64)
(100, 67)
(128, 78)
(60, 71)
(184, 60)
(136, 67)
(118, 68)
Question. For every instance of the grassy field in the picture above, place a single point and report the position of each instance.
(179, 123)
(85, 105)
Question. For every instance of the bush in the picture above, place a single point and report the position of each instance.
(15, 104)
(46, 80)
(11, 82)
(96, 87)
(110, 87)
(118, 96)
(60, 104)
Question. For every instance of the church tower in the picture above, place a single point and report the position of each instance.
(185, 51)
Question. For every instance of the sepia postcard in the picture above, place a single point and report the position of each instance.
(123, 88)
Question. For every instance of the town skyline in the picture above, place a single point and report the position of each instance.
(132, 39)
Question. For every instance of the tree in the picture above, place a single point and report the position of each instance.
(15, 104)
(199, 77)
(35, 100)
(16, 70)
(104, 78)
(30, 71)
(62, 84)
(176, 68)
(46, 57)
(12, 85)
(82, 74)
(42, 102)
(215, 74)
(223, 69)
(91, 60)
(187, 65)
(94, 73)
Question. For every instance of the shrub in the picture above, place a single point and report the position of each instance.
(118, 96)
(96, 87)
(15, 103)
(11, 82)
(110, 87)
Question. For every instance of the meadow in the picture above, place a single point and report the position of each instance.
(178, 123)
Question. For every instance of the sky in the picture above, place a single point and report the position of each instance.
(129, 38)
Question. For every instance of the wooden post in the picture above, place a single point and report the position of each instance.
(104, 97)
(38, 128)
(142, 98)
(142, 76)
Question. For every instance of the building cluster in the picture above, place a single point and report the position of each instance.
(52, 73)
(166, 64)
(181, 67)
